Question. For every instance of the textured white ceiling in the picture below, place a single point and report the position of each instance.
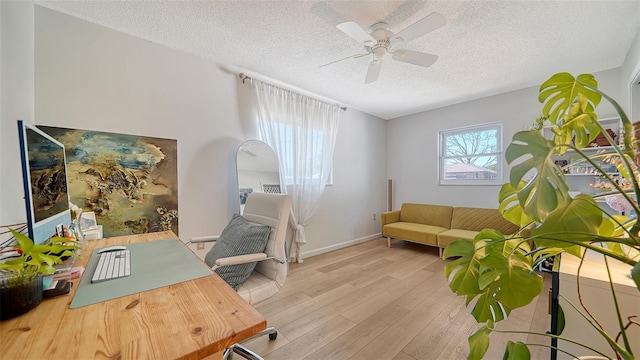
(486, 48)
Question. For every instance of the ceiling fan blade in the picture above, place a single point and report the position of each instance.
(421, 27)
(348, 57)
(373, 71)
(357, 33)
(415, 57)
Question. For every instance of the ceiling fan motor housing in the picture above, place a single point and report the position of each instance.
(381, 33)
(379, 50)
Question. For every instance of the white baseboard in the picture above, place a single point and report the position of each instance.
(310, 253)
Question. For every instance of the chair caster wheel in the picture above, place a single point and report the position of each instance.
(273, 336)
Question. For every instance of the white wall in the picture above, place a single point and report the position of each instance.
(412, 142)
(630, 72)
(16, 101)
(91, 77)
(359, 191)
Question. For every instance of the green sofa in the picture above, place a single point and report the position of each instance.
(439, 225)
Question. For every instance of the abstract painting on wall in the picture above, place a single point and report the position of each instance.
(130, 182)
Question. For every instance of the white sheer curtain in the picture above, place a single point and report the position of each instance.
(303, 132)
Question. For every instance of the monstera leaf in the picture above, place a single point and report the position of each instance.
(548, 189)
(465, 278)
(479, 342)
(488, 307)
(507, 271)
(559, 91)
(581, 213)
(580, 124)
(496, 270)
(516, 351)
(510, 205)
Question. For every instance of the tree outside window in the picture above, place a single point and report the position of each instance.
(471, 156)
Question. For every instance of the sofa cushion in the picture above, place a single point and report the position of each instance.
(436, 215)
(476, 219)
(449, 236)
(420, 233)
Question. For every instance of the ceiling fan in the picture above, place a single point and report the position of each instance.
(379, 42)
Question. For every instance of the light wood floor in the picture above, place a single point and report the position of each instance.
(371, 302)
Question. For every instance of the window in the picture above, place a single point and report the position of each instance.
(471, 155)
(297, 140)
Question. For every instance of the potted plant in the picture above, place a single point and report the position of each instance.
(21, 275)
(496, 272)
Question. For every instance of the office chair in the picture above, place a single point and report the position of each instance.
(272, 268)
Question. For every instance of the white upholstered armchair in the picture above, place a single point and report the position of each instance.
(271, 269)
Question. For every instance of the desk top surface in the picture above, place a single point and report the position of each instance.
(188, 320)
(594, 271)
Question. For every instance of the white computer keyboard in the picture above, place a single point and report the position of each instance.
(112, 265)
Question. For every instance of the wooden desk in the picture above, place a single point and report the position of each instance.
(189, 320)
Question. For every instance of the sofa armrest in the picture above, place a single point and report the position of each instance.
(390, 217)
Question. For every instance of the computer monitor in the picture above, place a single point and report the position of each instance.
(44, 175)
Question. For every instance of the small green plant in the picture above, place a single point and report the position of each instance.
(33, 258)
(496, 272)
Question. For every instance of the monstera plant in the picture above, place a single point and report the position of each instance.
(496, 273)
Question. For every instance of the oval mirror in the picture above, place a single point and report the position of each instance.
(257, 166)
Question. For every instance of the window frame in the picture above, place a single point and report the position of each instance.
(443, 134)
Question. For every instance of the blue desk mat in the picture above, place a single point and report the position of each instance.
(154, 264)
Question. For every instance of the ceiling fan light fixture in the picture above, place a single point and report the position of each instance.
(379, 53)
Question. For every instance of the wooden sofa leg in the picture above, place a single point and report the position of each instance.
(440, 252)
(389, 242)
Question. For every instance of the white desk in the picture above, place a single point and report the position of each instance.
(596, 293)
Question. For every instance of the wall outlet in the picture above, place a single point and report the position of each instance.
(374, 217)
(200, 246)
